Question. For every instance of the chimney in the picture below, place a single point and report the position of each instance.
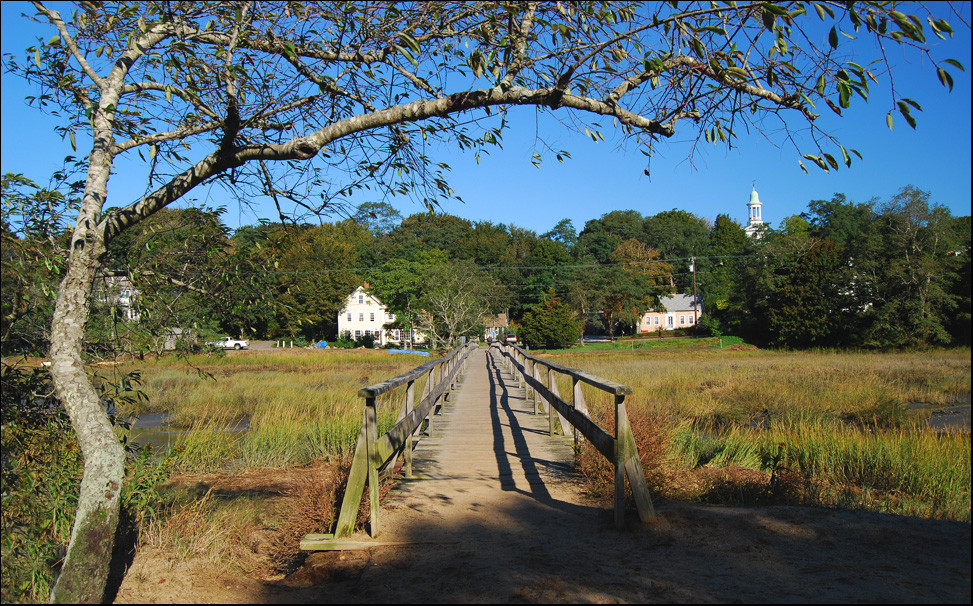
(365, 285)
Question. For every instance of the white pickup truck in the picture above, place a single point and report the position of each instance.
(230, 343)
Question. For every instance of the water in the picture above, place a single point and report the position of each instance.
(156, 429)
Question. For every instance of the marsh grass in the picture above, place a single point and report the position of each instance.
(297, 406)
(841, 423)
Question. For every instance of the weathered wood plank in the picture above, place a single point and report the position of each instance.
(354, 489)
(603, 384)
(599, 438)
(412, 375)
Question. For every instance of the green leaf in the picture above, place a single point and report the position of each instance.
(945, 78)
(906, 113)
(410, 41)
(831, 160)
(888, 119)
(54, 41)
(74, 145)
(37, 57)
(956, 64)
(833, 38)
(844, 94)
(408, 55)
(820, 85)
(844, 153)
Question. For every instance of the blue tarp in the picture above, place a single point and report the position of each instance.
(322, 344)
(409, 351)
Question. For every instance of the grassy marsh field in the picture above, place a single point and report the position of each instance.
(719, 422)
(831, 428)
(297, 406)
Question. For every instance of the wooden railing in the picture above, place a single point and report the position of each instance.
(374, 453)
(540, 379)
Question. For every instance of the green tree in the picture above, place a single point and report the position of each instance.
(681, 236)
(911, 304)
(810, 305)
(33, 231)
(315, 269)
(551, 324)
(308, 103)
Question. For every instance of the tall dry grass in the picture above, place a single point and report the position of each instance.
(844, 426)
(297, 406)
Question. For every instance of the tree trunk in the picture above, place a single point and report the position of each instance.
(85, 570)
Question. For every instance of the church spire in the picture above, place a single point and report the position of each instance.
(754, 214)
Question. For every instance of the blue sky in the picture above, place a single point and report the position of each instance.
(506, 188)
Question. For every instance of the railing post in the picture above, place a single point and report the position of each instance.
(371, 438)
(621, 424)
(577, 401)
(410, 395)
(550, 408)
(430, 379)
(627, 463)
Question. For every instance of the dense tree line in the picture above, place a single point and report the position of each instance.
(876, 274)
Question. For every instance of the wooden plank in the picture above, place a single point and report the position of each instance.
(410, 394)
(599, 438)
(599, 382)
(371, 437)
(415, 373)
(354, 488)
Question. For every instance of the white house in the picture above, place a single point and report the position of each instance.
(117, 291)
(678, 311)
(363, 314)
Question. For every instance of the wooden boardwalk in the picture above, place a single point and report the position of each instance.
(487, 447)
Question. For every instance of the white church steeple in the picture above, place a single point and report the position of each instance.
(755, 221)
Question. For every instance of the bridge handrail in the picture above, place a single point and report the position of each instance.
(374, 453)
(386, 386)
(620, 449)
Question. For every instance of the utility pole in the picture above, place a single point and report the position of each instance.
(695, 307)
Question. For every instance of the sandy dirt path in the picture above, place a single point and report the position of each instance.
(506, 522)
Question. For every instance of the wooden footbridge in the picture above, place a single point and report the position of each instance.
(485, 419)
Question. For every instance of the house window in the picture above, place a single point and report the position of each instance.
(357, 334)
(691, 320)
(361, 317)
(391, 317)
(657, 320)
(670, 321)
(361, 299)
(349, 316)
(682, 320)
(371, 316)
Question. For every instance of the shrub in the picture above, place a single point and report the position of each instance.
(552, 325)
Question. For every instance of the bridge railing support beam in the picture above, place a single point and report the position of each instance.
(620, 449)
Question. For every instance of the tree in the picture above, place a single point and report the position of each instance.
(455, 300)
(912, 303)
(681, 236)
(306, 103)
(550, 324)
(810, 307)
(32, 231)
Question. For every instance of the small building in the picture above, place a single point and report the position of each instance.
(363, 314)
(678, 311)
